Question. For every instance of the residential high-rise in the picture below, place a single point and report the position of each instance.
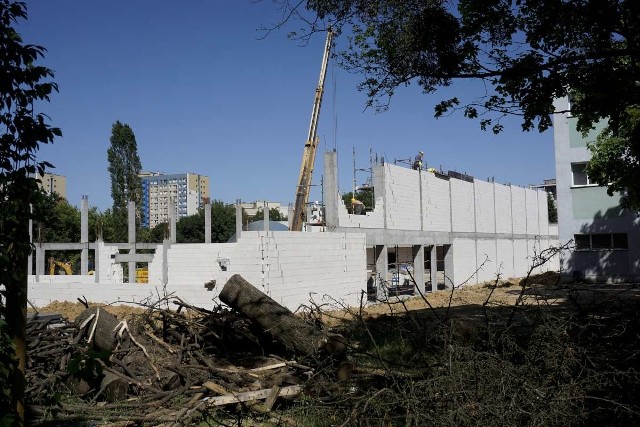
(187, 191)
(606, 237)
(52, 183)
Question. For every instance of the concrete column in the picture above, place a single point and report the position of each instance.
(40, 255)
(96, 262)
(131, 206)
(331, 197)
(207, 223)
(265, 216)
(172, 221)
(382, 268)
(418, 266)
(449, 277)
(166, 244)
(238, 219)
(84, 235)
(434, 268)
(30, 259)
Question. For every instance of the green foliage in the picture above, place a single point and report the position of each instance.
(274, 215)
(190, 229)
(86, 364)
(223, 221)
(615, 160)
(365, 196)
(523, 54)
(124, 167)
(23, 85)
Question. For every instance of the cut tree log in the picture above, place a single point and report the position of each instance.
(290, 330)
(102, 326)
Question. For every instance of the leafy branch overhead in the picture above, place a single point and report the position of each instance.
(524, 54)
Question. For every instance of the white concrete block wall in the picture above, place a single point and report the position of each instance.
(372, 219)
(505, 258)
(521, 261)
(518, 210)
(543, 213)
(503, 209)
(484, 207)
(110, 272)
(402, 204)
(289, 266)
(486, 253)
(533, 222)
(462, 206)
(436, 204)
(464, 262)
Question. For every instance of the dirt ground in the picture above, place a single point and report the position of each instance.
(505, 293)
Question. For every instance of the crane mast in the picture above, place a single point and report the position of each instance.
(309, 154)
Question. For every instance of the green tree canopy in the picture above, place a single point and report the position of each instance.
(274, 215)
(23, 86)
(124, 167)
(524, 54)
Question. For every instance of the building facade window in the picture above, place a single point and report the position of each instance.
(579, 175)
(600, 241)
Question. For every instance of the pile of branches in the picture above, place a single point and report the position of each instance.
(174, 363)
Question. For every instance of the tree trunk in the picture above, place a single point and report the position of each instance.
(290, 330)
(104, 337)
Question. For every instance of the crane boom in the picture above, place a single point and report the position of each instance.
(310, 146)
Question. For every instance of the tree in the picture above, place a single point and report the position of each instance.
(22, 129)
(190, 229)
(525, 54)
(124, 168)
(223, 221)
(274, 215)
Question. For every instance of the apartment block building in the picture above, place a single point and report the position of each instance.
(606, 237)
(187, 192)
(53, 183)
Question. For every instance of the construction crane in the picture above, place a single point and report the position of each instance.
(309, 154)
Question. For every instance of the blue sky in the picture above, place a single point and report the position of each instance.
(205, 94)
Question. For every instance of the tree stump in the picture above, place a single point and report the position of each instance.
(288, 329)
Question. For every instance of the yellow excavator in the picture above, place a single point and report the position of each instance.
(65, 266)
(309, 154)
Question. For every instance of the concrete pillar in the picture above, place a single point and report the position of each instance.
(166, 244)
(132, 239)
(265, 216)
(238, 219)
(207, 223)
(331, 197)
(418, 266)
(449, 277)
(96, 262)
(382, 268)
(40, 260)
(434, 267)
(172, 221)
(30, 259)
(84, 235)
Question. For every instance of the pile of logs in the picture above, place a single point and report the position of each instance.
(175, 362)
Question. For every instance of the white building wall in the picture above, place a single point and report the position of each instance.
(402, 204)
(533, 224)
(504, 223)
(505, 258)
(462, 205)
(290, 267)
(518, 210)
(484, 207)
(486, 259)
(436, 204)
(543, 213)
(521, 260)
(464, 262)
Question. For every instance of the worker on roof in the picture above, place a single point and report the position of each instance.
(417, 163)
(357, 206)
